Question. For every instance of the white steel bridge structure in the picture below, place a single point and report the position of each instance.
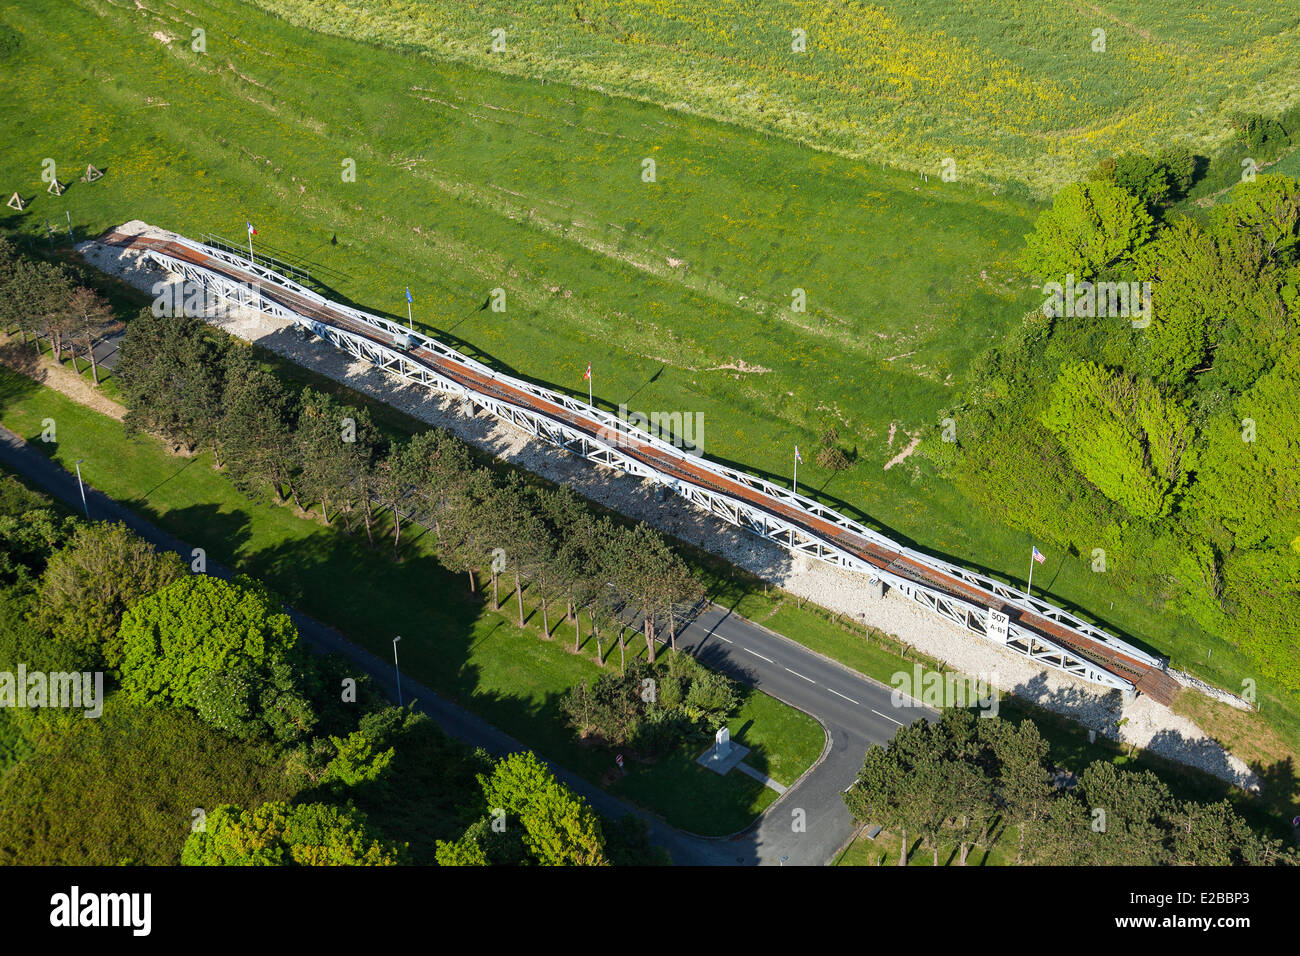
(983, 606)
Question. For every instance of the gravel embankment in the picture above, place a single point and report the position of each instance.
(1147, 724)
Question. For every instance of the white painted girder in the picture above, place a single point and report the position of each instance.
(606, 450)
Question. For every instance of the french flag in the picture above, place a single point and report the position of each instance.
(251, 230)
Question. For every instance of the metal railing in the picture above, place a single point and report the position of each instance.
(614, 442)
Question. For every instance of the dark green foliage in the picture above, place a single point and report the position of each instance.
(88, 585)
(627, 842)
(31, 530)
(953, 778)
(125, 786)
(172, 374)
(224, 649)
(1170, 446)
(309, 448)
(558, 828)
(1155, 180)
(257, 443)
(253, 701)
(10, 42)
(277, 834)
(1266, 135)
(428, 790)
(652, 709)
(228, 654)
(337, 445)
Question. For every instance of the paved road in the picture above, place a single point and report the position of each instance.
(804, 827)
(854, 711)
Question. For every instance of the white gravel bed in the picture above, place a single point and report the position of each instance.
(1145, 723)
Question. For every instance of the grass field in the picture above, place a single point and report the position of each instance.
(478, 657)
(1012, 91)
(677, 291)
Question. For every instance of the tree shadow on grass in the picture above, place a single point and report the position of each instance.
(220, 532)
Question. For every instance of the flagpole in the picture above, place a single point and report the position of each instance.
(410, 323)
(250, 247)
(795, 488)
(1029, 588)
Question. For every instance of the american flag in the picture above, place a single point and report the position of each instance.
(798, 457)
(1038, 555)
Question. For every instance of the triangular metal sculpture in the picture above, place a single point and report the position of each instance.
(56, 187)
(91, 174)
(15, 202)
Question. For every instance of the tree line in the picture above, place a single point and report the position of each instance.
(54, 301)
(1159, 446)
(198, 389)
(958, 779)
(321, 768)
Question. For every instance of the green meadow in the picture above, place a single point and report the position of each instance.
(678, 291)
(1026, 93)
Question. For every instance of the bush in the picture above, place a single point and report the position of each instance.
(125, 787)
(560, 829)
(689, 701)
(28, 540)
(277, 834)
(1264, 134)
(223, 649)
(88, 585)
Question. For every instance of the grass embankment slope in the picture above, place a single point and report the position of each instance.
(1012, 92)
(678, 291)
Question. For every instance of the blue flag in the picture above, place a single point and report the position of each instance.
(408, 294)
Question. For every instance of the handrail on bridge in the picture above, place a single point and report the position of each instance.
(617, 432)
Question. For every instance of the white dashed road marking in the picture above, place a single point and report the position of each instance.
(838, 694)
(759, 656)
(886, 716)
(797, 674)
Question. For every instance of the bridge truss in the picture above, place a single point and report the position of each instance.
(613, 442)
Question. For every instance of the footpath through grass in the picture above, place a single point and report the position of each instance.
(451, 642)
